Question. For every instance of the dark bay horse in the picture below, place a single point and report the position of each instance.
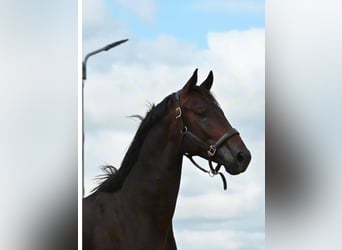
(132, 208)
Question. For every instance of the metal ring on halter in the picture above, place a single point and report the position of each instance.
(184, 130)
(178, 112)
(211, 150)
(211, 174)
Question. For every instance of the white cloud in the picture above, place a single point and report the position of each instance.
(99, 26)
(94, 12)
(163, 65)
(218, 240)
(219, 205)
(106, 147)
(145, 9)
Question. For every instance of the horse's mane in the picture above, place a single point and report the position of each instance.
(113, 179)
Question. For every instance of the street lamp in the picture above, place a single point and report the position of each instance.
(84, 77)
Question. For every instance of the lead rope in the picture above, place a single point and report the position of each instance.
(213, 171)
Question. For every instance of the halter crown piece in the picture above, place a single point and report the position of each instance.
(211, 149)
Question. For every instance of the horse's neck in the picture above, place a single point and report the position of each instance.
(153, 182)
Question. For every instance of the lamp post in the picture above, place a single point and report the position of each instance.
(84, 77)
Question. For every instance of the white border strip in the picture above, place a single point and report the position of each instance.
(80, 125)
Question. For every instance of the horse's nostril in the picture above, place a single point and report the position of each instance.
(240, 157)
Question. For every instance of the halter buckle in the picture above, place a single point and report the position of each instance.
(178, 112)
(183, 130)
(211, 150)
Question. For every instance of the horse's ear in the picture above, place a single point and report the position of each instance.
(209, 81)
(191, 82)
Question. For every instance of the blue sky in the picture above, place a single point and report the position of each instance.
(167, 42)
(190, 20)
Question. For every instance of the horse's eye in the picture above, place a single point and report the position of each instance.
(201, 112)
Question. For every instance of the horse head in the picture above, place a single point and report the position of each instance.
(206, 131)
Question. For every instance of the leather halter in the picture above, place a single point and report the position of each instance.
(211, 149)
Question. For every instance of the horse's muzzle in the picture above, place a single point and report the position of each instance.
(234, 162)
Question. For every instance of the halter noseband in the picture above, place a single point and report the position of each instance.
(211, 149)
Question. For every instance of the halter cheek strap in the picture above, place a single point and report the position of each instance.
(211, 149)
